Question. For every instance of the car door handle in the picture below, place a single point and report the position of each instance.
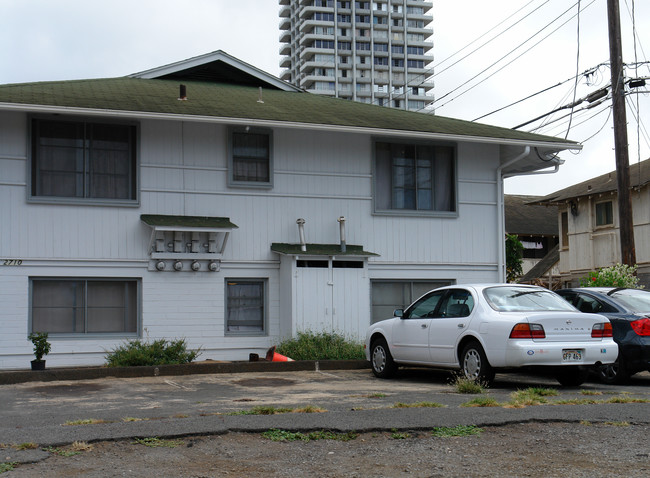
(424, 326)
(460, 326)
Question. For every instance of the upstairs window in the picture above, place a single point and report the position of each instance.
(250, 158)
(83, 161)
(604, 214)
(414, 177)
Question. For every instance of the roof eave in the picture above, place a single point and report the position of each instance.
(32, 108)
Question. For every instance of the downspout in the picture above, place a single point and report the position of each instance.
(501, 261)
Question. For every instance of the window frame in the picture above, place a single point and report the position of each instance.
(134, 167)
(265, 305)
(453, 213)
(90, 335)
(609, 212)
(232, 182)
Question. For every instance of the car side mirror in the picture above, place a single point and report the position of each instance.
(398, 313)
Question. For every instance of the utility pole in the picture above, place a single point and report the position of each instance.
(628, 252)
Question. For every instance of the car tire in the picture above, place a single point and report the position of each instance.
(572, 376)
(474, 364)
(381, 360)
(614, 373)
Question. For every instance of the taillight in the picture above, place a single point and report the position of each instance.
(604, 329)
(524, 330)
(641, 326)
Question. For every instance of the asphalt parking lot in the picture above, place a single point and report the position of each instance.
(349, 400)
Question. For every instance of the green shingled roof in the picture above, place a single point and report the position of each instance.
(187, 221)
(319, 250)
(209, 99)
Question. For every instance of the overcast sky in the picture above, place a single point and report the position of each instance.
(45, 40)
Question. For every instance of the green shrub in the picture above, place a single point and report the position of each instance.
(619, 275)
(158, 352)
(320, 346)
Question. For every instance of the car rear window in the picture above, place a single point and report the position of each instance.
(524, 299)
(634, 299)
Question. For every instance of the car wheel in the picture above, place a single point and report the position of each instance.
(381, 360)
(474, 364)
(572, 376)
(614, 373)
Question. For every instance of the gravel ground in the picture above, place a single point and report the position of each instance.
(527, 449)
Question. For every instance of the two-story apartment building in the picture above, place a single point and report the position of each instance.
(589, 224)
(210, 201)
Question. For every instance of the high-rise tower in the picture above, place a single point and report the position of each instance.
(368, 51)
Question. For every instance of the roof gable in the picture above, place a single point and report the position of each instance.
(605, 183)
(216, 67)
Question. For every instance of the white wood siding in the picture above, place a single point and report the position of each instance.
(318, 176)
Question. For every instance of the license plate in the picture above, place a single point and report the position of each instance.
(570, 355)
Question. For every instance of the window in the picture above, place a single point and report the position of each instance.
(362, 5)
(416, 177)
(399, 63)
(325, 17)
(564, 226)
(245, 306)
(324, 44)
(363, 46)
(604, 214)
(85, 306)
(250, 159)
(381, 60)
(388, 295)
(381, 46)
(380, 20)
(397, 49)
(415, 50)
(83, 160)
(345, 45)
(397, 104)
(344, 18)
(415, 63)
(362, 18)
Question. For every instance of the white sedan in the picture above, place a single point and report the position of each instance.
(482, 328)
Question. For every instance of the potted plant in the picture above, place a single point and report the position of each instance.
(41, 347)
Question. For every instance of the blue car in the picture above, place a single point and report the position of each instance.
(628, 310)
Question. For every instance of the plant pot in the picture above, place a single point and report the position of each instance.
(38, 364)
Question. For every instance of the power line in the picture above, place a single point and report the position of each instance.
(508, 54)
(575, 85)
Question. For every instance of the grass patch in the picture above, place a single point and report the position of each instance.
(457, 431)
(586, 423)
(481, 402)
(61, 451)
(309, 409)
(372, 395)
(617, 424)
(155, 442)
(590, 392)
(7, 466)
(159, 352)
(26, 446)
(87, 421)
(321, 346)
(81, 446)
(418, 405)
(262, 410)
(283, 435)
(530, 396)
(132, 419)
(465, 385)
(626, 399)
(577, 401)
(396, 435)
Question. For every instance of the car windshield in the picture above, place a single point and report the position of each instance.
(523, 299)
(636, 300)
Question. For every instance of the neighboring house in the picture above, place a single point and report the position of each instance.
(375, 52)
(172, 204)
(535, 227)
(589, 224)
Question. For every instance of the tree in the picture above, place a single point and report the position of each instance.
(514, 254)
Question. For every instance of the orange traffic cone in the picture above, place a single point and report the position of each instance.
(273, 356)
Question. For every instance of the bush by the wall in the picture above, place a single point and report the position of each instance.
(619, 275)
(158, 352)
(320, 346)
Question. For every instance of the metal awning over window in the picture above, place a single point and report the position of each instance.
(187, 237)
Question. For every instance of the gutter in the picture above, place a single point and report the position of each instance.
(561, 145)
(501, 246)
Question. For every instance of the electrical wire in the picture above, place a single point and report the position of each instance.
(575, 85)
(505, 56)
